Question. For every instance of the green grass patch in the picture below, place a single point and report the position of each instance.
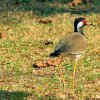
(23, 44)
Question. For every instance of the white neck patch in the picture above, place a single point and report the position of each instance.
(80, 24)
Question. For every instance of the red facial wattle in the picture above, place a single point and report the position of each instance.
(86, 22)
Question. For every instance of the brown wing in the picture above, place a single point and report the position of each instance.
(72, 44)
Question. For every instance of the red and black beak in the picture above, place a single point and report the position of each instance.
(87, 23)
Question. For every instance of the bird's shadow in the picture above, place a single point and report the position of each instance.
(13, 95)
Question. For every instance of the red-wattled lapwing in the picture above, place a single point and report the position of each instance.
(74, 44)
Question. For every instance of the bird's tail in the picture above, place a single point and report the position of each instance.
(55, 54)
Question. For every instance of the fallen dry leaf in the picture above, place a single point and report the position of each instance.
(47, 42)
(46, 21)
(54, 62)
(40, 64)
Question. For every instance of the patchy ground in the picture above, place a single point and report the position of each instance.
(22, 41)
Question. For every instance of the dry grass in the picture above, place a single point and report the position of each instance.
(22, 44)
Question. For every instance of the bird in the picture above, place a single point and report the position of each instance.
(73, 44)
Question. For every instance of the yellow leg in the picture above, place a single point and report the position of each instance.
(74, 70)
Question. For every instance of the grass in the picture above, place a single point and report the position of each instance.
(23, 44)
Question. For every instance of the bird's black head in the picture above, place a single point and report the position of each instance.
(79, 23)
